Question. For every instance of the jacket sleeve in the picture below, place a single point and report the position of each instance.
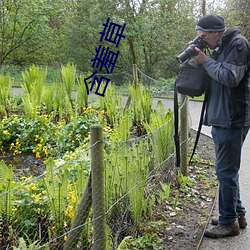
(234, 66)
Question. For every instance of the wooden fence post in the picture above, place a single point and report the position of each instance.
(184, 135)
(135, 81)
(80, 218)
(135, 74)
(98, 194)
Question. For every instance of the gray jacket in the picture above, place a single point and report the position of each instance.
(228, 103)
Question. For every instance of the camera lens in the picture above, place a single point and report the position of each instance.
(187, 53)
(190, 50)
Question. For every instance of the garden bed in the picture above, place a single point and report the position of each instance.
(178, 222)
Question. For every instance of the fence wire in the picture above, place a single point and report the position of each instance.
(45, 209)
(47, 204)
(162, 87)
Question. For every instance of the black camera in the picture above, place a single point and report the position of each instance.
(190, 51)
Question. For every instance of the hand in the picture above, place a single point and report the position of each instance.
(200, 58)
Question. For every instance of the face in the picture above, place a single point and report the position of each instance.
(211, 38)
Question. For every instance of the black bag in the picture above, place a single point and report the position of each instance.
(192, 80)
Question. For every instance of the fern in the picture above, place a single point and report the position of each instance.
(161, 126)
(68, 74)
(33, 86)
(48, 98)
(114, 107)
(5, 90)
(82, 95)
(6, 184)
(56, 184)
(141, 103)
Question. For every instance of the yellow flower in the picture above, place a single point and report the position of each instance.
(45, 151)
(103, 112)
(17, 152)
(73, 199)
(69, 211)
(31, 187)
(37, 196)
(38, 156)
(6, 132)
(14, 209)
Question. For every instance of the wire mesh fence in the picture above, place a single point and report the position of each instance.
(56, 209)
(45, 211)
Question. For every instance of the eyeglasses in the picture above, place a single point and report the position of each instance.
(203, 36)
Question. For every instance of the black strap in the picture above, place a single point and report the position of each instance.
(176, 126)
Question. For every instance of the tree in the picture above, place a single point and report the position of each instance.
(62, 31)
(237, 12)
(21, 21)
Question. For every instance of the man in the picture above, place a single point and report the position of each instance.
(228, 112)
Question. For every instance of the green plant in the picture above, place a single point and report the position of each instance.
(127, 160)
(184, 181)
(45, 138)
(164, 191)
(28, 244)
(6, 196)
(114, 108)
(147, 241)
(5, 90)
(23, 134)
(64, 183)
(161, 128)
(48, 98)
(68, 74)
(121, 131)
(176, 199)
(34, 81)
(62, 104)
(82, 98)
(141, 104)
(56, 187)
(126, 173)
(30, 207)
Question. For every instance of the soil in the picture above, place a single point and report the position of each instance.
(25, 164)
(186, 223)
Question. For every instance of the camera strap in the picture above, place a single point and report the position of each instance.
(176, 127)
(199, 127)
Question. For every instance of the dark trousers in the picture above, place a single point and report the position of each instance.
(228, 145)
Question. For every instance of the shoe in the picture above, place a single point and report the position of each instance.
(241, 219)
(221, 231)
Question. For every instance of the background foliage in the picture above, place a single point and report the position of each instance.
(49, 32)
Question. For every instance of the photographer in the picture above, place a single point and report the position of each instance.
(228, 112)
